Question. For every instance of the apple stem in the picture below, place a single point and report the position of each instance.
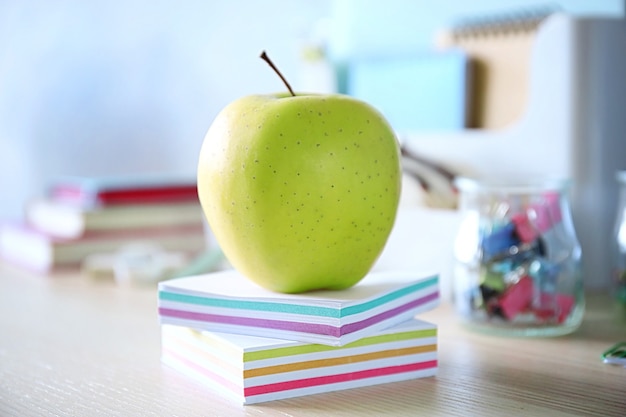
(271, 64)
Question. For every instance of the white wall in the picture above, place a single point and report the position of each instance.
(125, 86)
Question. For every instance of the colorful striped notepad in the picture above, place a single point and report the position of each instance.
(228, 302)
(255, 369)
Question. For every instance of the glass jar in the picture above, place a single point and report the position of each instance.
(517, 258)
(618, 284)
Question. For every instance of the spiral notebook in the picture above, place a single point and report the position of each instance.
(499, 49)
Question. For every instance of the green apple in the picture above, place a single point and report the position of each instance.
(301, 191)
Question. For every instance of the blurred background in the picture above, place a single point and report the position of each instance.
(113, 87)
(123, 87)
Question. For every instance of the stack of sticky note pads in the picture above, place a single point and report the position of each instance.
(257, 345)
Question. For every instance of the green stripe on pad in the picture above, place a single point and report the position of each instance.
(315, 348)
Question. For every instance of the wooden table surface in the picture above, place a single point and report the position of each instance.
(73, 346)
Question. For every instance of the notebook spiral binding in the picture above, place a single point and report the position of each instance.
(519, 21)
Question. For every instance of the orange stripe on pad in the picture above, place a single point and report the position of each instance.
(319, 363)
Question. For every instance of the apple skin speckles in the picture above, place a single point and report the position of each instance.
(321, 184)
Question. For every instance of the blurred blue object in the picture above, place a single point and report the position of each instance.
(427, 91)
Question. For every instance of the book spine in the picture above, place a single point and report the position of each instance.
(148, 195)
(148, 232)
(106, 197)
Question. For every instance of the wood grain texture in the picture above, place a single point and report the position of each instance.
(71, 346)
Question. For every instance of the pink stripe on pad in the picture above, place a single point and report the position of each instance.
(338, 378)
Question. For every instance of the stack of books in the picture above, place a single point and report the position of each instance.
(81, 216)
(255, 345)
